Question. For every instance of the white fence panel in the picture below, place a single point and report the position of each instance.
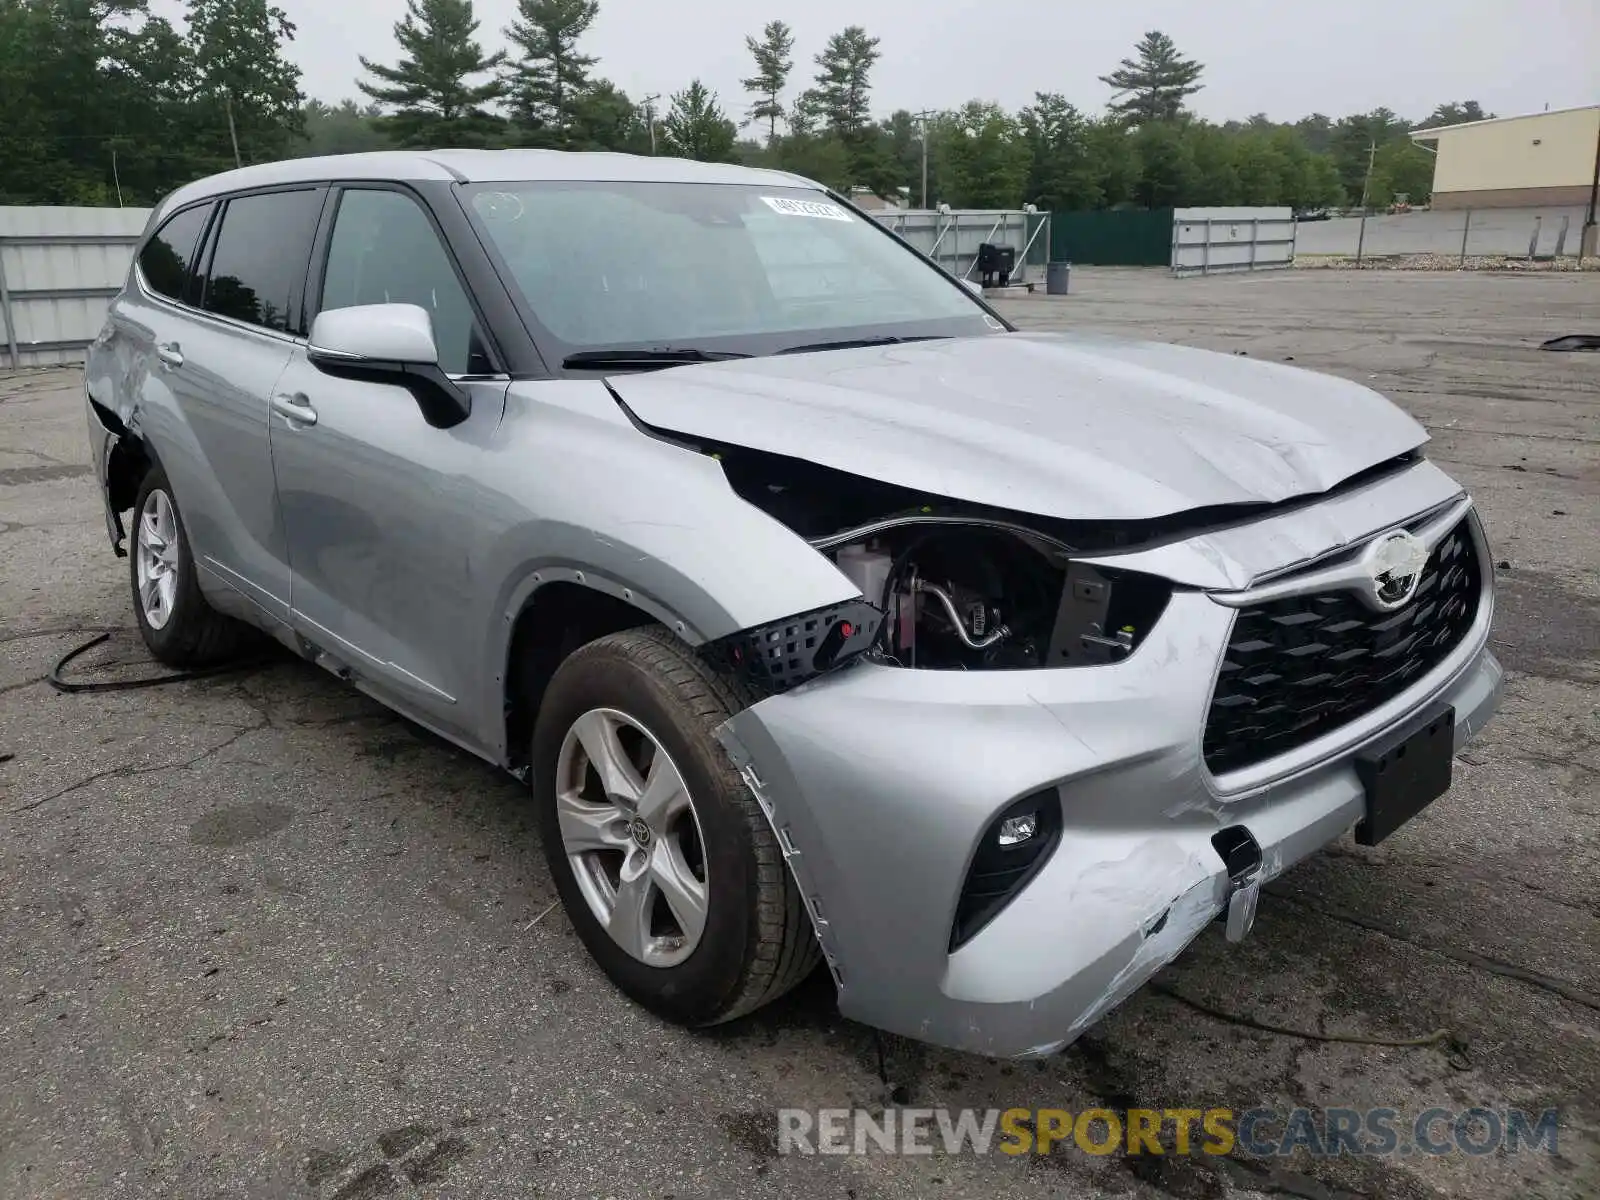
(1206, 241)
(59, 269)
(952, 238)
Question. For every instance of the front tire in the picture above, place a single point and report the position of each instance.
(663, 859)
(178, 626)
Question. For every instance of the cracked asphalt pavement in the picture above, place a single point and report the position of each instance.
(259, 938)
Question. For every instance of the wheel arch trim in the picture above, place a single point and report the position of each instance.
(519, 598)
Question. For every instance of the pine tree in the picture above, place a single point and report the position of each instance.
(605, 119)
(343, 128)
(773, 64)
(242, 75)
(1155, 83)
(548, 80)
(1167, 172)
(841, 99)
(1456, 114)
(1061, 171)
(429, 86)
(983, 156)
(695, 126)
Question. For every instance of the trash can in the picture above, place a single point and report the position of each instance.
(1056, 277)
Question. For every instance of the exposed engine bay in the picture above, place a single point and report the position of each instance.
(957, 596)
(960, 596)
(943, 586)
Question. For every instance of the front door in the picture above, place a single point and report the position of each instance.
(378, 505)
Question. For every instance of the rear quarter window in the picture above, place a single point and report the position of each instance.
(168, 257)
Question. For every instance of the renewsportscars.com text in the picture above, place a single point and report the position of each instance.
(1256, 1132)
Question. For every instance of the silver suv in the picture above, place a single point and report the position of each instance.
(825, 614)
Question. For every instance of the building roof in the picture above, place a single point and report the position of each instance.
(482, 166)
(1435, 130)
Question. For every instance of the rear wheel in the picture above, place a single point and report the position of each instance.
(177, 624)
(662, 857)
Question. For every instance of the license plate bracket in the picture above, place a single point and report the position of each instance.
(1405, 773)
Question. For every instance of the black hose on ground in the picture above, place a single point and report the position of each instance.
(55, 680)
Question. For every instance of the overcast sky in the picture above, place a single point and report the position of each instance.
(1274, 56)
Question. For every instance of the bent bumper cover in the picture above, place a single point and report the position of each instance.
(880, 780)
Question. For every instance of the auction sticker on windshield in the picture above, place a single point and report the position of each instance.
(806, 208)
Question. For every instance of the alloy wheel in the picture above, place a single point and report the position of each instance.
(157, 559)
(631, 834)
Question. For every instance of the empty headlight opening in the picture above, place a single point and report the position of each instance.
(955, 595)
(953, 586)
(969, 595)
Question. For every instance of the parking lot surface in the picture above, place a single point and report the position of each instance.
(258, 938)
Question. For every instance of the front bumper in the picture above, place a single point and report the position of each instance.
(879, 781)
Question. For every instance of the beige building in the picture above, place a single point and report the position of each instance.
(1542, 160)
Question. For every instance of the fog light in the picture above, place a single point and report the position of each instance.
(1013, 846)
(1016, 830)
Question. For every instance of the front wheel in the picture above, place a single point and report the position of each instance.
(177, 624)
(662, 857)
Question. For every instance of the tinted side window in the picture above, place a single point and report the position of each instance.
(259, 263)
(167, 257)
(385, 251)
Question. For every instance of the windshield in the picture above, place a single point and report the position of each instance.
(738, 269)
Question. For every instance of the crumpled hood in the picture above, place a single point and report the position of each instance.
(1072, 426)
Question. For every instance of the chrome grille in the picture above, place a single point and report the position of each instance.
(1299, 667)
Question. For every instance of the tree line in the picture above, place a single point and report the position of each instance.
(107, 103)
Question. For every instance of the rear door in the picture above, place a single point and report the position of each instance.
(379, 507)
(225, 359)
(125, 373)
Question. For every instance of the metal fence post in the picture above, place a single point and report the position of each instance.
(6, 312)
(1466, 225)
(1023, 269)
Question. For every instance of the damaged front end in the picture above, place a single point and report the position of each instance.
(891, 790)
(988, 774)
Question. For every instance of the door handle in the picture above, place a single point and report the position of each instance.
(295, 409)
(170, 355)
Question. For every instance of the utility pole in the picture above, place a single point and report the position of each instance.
(227, 99)
(1366, 184)
(922, 118)
(116, 176)
(650, 119)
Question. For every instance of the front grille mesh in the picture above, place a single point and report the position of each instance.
(1300, 667)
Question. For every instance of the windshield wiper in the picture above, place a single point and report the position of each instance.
(858, 343)
(647, 356)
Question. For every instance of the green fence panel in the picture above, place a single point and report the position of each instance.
(1120, 238)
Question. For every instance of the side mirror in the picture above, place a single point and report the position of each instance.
(388, 343)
